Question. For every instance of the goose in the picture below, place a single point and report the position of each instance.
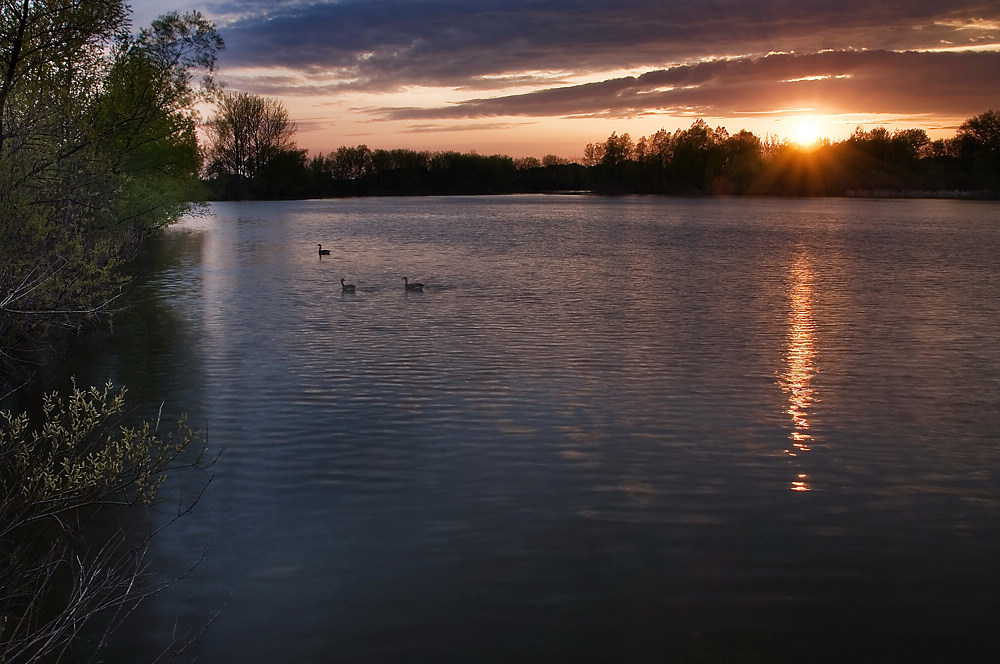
(322, 251)
(346, 288)
(415, 286)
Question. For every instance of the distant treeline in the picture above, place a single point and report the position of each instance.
(699, 160)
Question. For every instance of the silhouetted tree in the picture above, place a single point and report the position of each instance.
(978, 146)
(245, 133)
(659, 149)
(593, 153)
(692, 153)
(522, 163)
(880, 159)
(696, 160)
(742, 161)
(612, 172)
(400, 171)
(617, 150)
(285, 175)
(457, 173)
(352, 163)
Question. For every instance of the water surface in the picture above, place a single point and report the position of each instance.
(609, 429)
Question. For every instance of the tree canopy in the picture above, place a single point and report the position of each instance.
(246, 133)
(698, 160)
(98, 146)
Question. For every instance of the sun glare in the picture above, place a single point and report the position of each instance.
(806, 134)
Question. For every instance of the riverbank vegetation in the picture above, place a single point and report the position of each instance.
(700, 160)
(65, 558)
(98, 148)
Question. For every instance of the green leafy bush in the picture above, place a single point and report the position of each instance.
(79, 460)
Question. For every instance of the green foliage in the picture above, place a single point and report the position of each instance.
(76, 457)
(98, 147)
(57, 472)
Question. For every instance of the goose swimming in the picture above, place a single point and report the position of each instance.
(346, 288)
(322, 251)
(415, 286)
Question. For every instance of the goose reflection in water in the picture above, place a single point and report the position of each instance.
(799, 362)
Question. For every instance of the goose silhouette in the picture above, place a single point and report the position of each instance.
(346, 288)
(322, 251)
(415, 286)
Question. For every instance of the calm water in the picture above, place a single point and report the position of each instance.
(609, 429)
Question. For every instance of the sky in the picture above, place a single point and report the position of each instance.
(538, 77)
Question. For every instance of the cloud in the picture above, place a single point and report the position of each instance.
(961, 83)
(390, 44)
(437, 128)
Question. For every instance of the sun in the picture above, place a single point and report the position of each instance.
(806, 133)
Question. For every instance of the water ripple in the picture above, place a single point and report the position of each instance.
(596, 407)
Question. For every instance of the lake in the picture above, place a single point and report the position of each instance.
(610, 429)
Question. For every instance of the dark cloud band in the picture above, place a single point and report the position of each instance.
(866, 81)
(712, 57)
(379, 44)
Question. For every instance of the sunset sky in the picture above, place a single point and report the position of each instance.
(537, 77)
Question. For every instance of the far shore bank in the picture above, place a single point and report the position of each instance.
(887, 194)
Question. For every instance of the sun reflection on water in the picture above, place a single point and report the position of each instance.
(799, 363)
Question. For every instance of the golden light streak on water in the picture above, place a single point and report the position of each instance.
(799, 362)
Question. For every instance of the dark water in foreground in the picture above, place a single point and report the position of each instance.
(609, 430)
